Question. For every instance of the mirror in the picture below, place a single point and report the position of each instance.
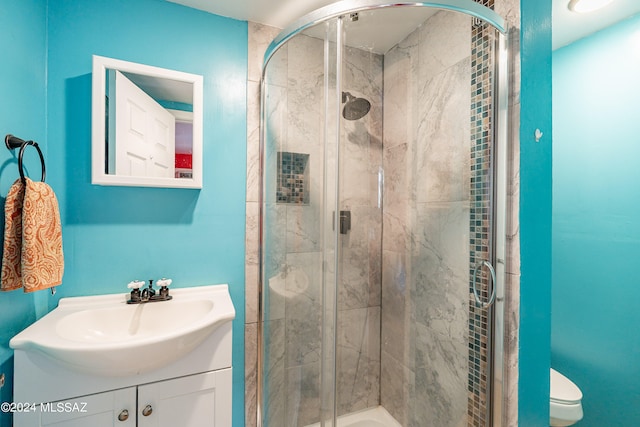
(146, 125)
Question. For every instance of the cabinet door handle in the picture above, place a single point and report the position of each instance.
(124, 415)
(147, 410)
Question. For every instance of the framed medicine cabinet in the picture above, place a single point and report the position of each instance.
(146, 125)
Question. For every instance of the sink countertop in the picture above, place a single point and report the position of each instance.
(103, 335)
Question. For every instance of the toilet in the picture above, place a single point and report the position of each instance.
(565, 401)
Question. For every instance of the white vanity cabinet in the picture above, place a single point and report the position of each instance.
(192, 401)
(97, 410)
(194, 391)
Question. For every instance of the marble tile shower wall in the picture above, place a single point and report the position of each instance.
(408, 328)
(397, 382)
(426, 222)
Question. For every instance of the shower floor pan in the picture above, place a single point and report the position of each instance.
(372, 417)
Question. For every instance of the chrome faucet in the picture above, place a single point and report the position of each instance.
(148, 294)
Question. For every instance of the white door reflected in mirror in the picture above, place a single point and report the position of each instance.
(146, 126)
(145, 137)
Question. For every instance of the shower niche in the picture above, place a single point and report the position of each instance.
(387, 122)
(293, 178)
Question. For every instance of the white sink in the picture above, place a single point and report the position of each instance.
(102, 335)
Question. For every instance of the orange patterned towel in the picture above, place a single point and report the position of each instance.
(39, 262)
(11, 265)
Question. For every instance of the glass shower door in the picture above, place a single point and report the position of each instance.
(416, 202)
(359, 213)
(298, 259)
(379, 192)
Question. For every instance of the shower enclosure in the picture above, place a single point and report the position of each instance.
(383, 157)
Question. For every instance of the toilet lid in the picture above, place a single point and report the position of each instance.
(563, 390)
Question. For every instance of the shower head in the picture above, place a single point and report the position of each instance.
(354, 108)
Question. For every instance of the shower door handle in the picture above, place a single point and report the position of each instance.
(345, 221)
(492, 297)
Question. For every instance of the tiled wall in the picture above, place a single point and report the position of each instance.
(483, 98)
(360, 304)
(426, 228)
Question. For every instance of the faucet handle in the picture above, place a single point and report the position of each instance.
(136, 284)
(164, 282)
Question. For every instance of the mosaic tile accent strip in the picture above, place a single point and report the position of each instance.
(482, 66)
(293, 178)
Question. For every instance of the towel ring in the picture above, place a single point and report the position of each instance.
(13, 142)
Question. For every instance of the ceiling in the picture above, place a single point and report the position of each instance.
(398, 23)
(570, 26)
(567, 26)
(277, 13)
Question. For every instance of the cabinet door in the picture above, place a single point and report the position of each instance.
(96, 410)
(202, 400)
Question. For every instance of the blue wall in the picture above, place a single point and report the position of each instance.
(535, 214)
(115, 234)
(197, 237)
(22, 113)
(596, 225)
